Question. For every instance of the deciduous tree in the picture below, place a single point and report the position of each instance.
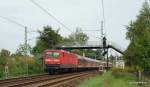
(76, 38)
(47, 40)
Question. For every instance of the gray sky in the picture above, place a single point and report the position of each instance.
(86, 14)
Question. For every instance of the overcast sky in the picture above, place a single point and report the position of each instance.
(86, 14)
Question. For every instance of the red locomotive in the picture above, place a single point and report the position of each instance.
(62, 61)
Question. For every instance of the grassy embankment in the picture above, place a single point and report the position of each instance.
(109, 79)
(20, 66)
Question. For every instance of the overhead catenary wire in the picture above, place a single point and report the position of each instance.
(20, 25)
(12, 21)
(52, 16)
(15, 22)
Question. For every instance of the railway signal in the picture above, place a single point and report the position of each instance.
(105, 48)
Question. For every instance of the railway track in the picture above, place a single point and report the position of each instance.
(42, 81)
(5, 82)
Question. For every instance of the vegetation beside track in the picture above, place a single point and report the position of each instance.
(20, 66)
(110, 79)
(137, 53)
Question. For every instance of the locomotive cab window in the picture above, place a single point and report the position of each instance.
(53, 54)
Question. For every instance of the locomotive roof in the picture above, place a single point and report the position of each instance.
(48, 50)
(80, 57)
(54, 50)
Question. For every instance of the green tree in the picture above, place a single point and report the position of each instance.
(76, 38)
(138, 32)
(4, 53)
(95, 54)
(47, 40)
(23, 49)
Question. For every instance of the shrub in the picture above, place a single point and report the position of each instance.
(18, 66)
(123, 72)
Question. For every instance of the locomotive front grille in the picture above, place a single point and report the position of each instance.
(53, 66)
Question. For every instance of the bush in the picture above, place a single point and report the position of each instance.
(122, 72)
(17, 66)
(118, 72)
(1, 72)
(36, 67)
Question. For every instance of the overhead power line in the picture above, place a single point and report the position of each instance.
(15, 22)
(12, 21)
(24, 27)
(48, 13)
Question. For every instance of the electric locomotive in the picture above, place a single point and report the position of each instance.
(63, 61)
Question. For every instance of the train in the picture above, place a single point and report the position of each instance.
(56, 61)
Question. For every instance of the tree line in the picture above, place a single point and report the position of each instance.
(21, 64)
(138, 33)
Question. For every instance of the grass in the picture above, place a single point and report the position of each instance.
(109, 80)
(17, 66)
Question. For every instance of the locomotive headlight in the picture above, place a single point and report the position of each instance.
(47, 60)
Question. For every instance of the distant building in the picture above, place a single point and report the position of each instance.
(120, 64)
